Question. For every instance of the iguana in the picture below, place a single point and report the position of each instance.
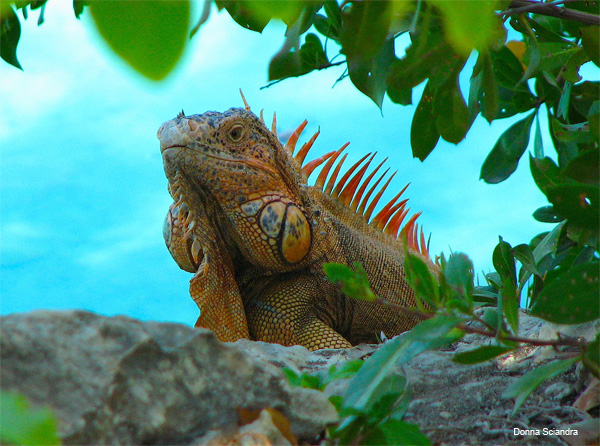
(256, 235)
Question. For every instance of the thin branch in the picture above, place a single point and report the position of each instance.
(551, 9)
(322, 67)
(564, 341)
(203, 18)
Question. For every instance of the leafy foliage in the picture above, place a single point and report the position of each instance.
(377, 396)
(132, 27)
(537, 70)
(536, 73)
(523, 387)
(320, 382)
(356, 284)
(452, 302)
(21, 424)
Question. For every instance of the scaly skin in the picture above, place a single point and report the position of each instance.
(256, 236)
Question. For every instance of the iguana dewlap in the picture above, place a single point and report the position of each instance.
(256, 235)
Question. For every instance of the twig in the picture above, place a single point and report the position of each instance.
(551, 9)
(564, 341)
(322, 67)
(203, 18)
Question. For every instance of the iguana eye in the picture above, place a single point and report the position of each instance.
(236, 132)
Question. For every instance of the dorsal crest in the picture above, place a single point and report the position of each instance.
(350, 188)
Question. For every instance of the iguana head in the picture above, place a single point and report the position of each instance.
(233, 165)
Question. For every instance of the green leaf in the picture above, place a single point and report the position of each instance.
(538, 147)
(330, 25)
(369, 52)
(312, 382)
(571, 72)
(364, 29)
(423, 131)
(546, 173)
(243, 12)
(450, 111)
(504, 262)
(312, 55)
(579, 203)
(432, 333)
(480, 354)
(294, 379)
(347, 370)
(571, 298)
(78, 6)
(510, 306)
(507, 67)
(402, 96)
(504, 157)
(531, 59)
(459, 275)
(387, 395)
(370, 76)
(594, 120)
(547, 214)
(562, 110)
(286, 62)
(523, 387)
(475, 90)
(575, 133)
(512, 102)
(552, 55)
(490, 90)
(148, 35)
(421, 280)
(469, 25)
(590, 39)
(493, 318)
(494, 279)
(334, 15)
(398, 432)
(323, 25)
(256, 14)
(585, 168)
(585, 94)
(524, 254)
(567, 150)
(429, 56)
(353, 283)
(10, 33)
(24, 425)
(548, 244)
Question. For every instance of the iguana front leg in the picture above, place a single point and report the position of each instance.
(196, 247)
(283, 311)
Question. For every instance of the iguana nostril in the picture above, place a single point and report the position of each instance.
(171, 135)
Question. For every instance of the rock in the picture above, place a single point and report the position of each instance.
(121, 381)
(116, 380)
(261, 432)
(460, 404)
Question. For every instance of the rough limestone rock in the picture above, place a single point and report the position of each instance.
(121, 381)
(116, 380)
(460, 404)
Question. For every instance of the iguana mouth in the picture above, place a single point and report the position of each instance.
(172, 136)
(168, 152)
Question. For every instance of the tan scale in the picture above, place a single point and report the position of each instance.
(256, 235)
